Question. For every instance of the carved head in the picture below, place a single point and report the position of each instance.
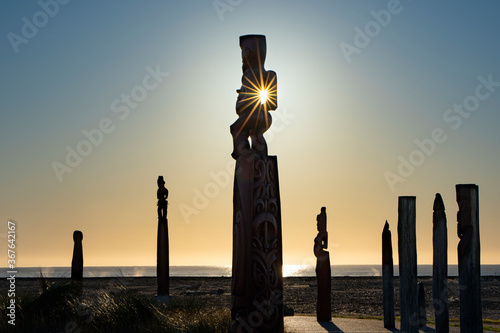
(321, 219)
(77, 236)
(253, 51)
(160, 182)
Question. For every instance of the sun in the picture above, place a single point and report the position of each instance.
(263, 96)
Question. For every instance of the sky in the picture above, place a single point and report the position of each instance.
(377, 99)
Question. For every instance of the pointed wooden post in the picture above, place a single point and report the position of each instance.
(422, 315)
(469, 265)
(387, 277)
(407, 249)
(440, 267)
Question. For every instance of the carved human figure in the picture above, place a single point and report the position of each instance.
(321, 240)
(323, 269)
(77, 262)
(257, 96)
(162, 195)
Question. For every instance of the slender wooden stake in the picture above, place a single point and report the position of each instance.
(407, 248)
(469, 265)
(388, 277)
(440, 267)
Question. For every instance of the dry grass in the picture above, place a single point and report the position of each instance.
(65, 307)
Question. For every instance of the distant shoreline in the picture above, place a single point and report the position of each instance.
(217, 271)
(351, 296)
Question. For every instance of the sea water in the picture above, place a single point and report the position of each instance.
(225, 271)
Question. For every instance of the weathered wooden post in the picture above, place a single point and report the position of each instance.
(407, 249)
(257, 272)
(77, 261)
(422, 315)
(388, 278)
(440, 266)
(469, 265)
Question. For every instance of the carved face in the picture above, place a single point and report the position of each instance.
(160, 182)
(253, 51)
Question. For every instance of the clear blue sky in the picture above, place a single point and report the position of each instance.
(351, 106)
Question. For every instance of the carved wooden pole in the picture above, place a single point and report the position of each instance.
(422, 315)
(77, 262)
(323, 270)
(387, 277)
(440, 266)
(469, 265)
(162, 255)
(257, 272)
(407, 248)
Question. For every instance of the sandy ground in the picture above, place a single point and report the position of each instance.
(351, 296)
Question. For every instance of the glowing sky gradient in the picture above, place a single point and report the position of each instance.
(359, 91)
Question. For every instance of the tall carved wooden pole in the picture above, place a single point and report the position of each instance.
(388, 278)
(440, 266)
(257, 273)
(162, 255)
(407, 248)
(323, 270)
(469, 264)
(77, 262)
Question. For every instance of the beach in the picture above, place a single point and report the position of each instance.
(351, 296)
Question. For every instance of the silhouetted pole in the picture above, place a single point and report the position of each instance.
(440, 267)
(407, 265)
(422, 315)
(469, 268)
(77, 262)
(387, 277)
(323, 270)
(257, 272)
(162, 257)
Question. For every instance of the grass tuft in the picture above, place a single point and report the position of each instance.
(64, 306)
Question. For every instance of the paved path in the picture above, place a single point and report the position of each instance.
(308, 324)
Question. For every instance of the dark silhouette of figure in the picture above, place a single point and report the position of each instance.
(257, 96)
(77, 262)
(162, 195)
(323, 269)
(162, 251)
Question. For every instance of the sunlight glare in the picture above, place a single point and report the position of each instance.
(263, 96)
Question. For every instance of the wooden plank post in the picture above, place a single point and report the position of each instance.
(469, 265)
(407, 249)
(388, 278)
(422, 314)
(440, 266)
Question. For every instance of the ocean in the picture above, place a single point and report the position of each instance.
(225, 271)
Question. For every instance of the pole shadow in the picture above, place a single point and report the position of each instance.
(330, 327)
